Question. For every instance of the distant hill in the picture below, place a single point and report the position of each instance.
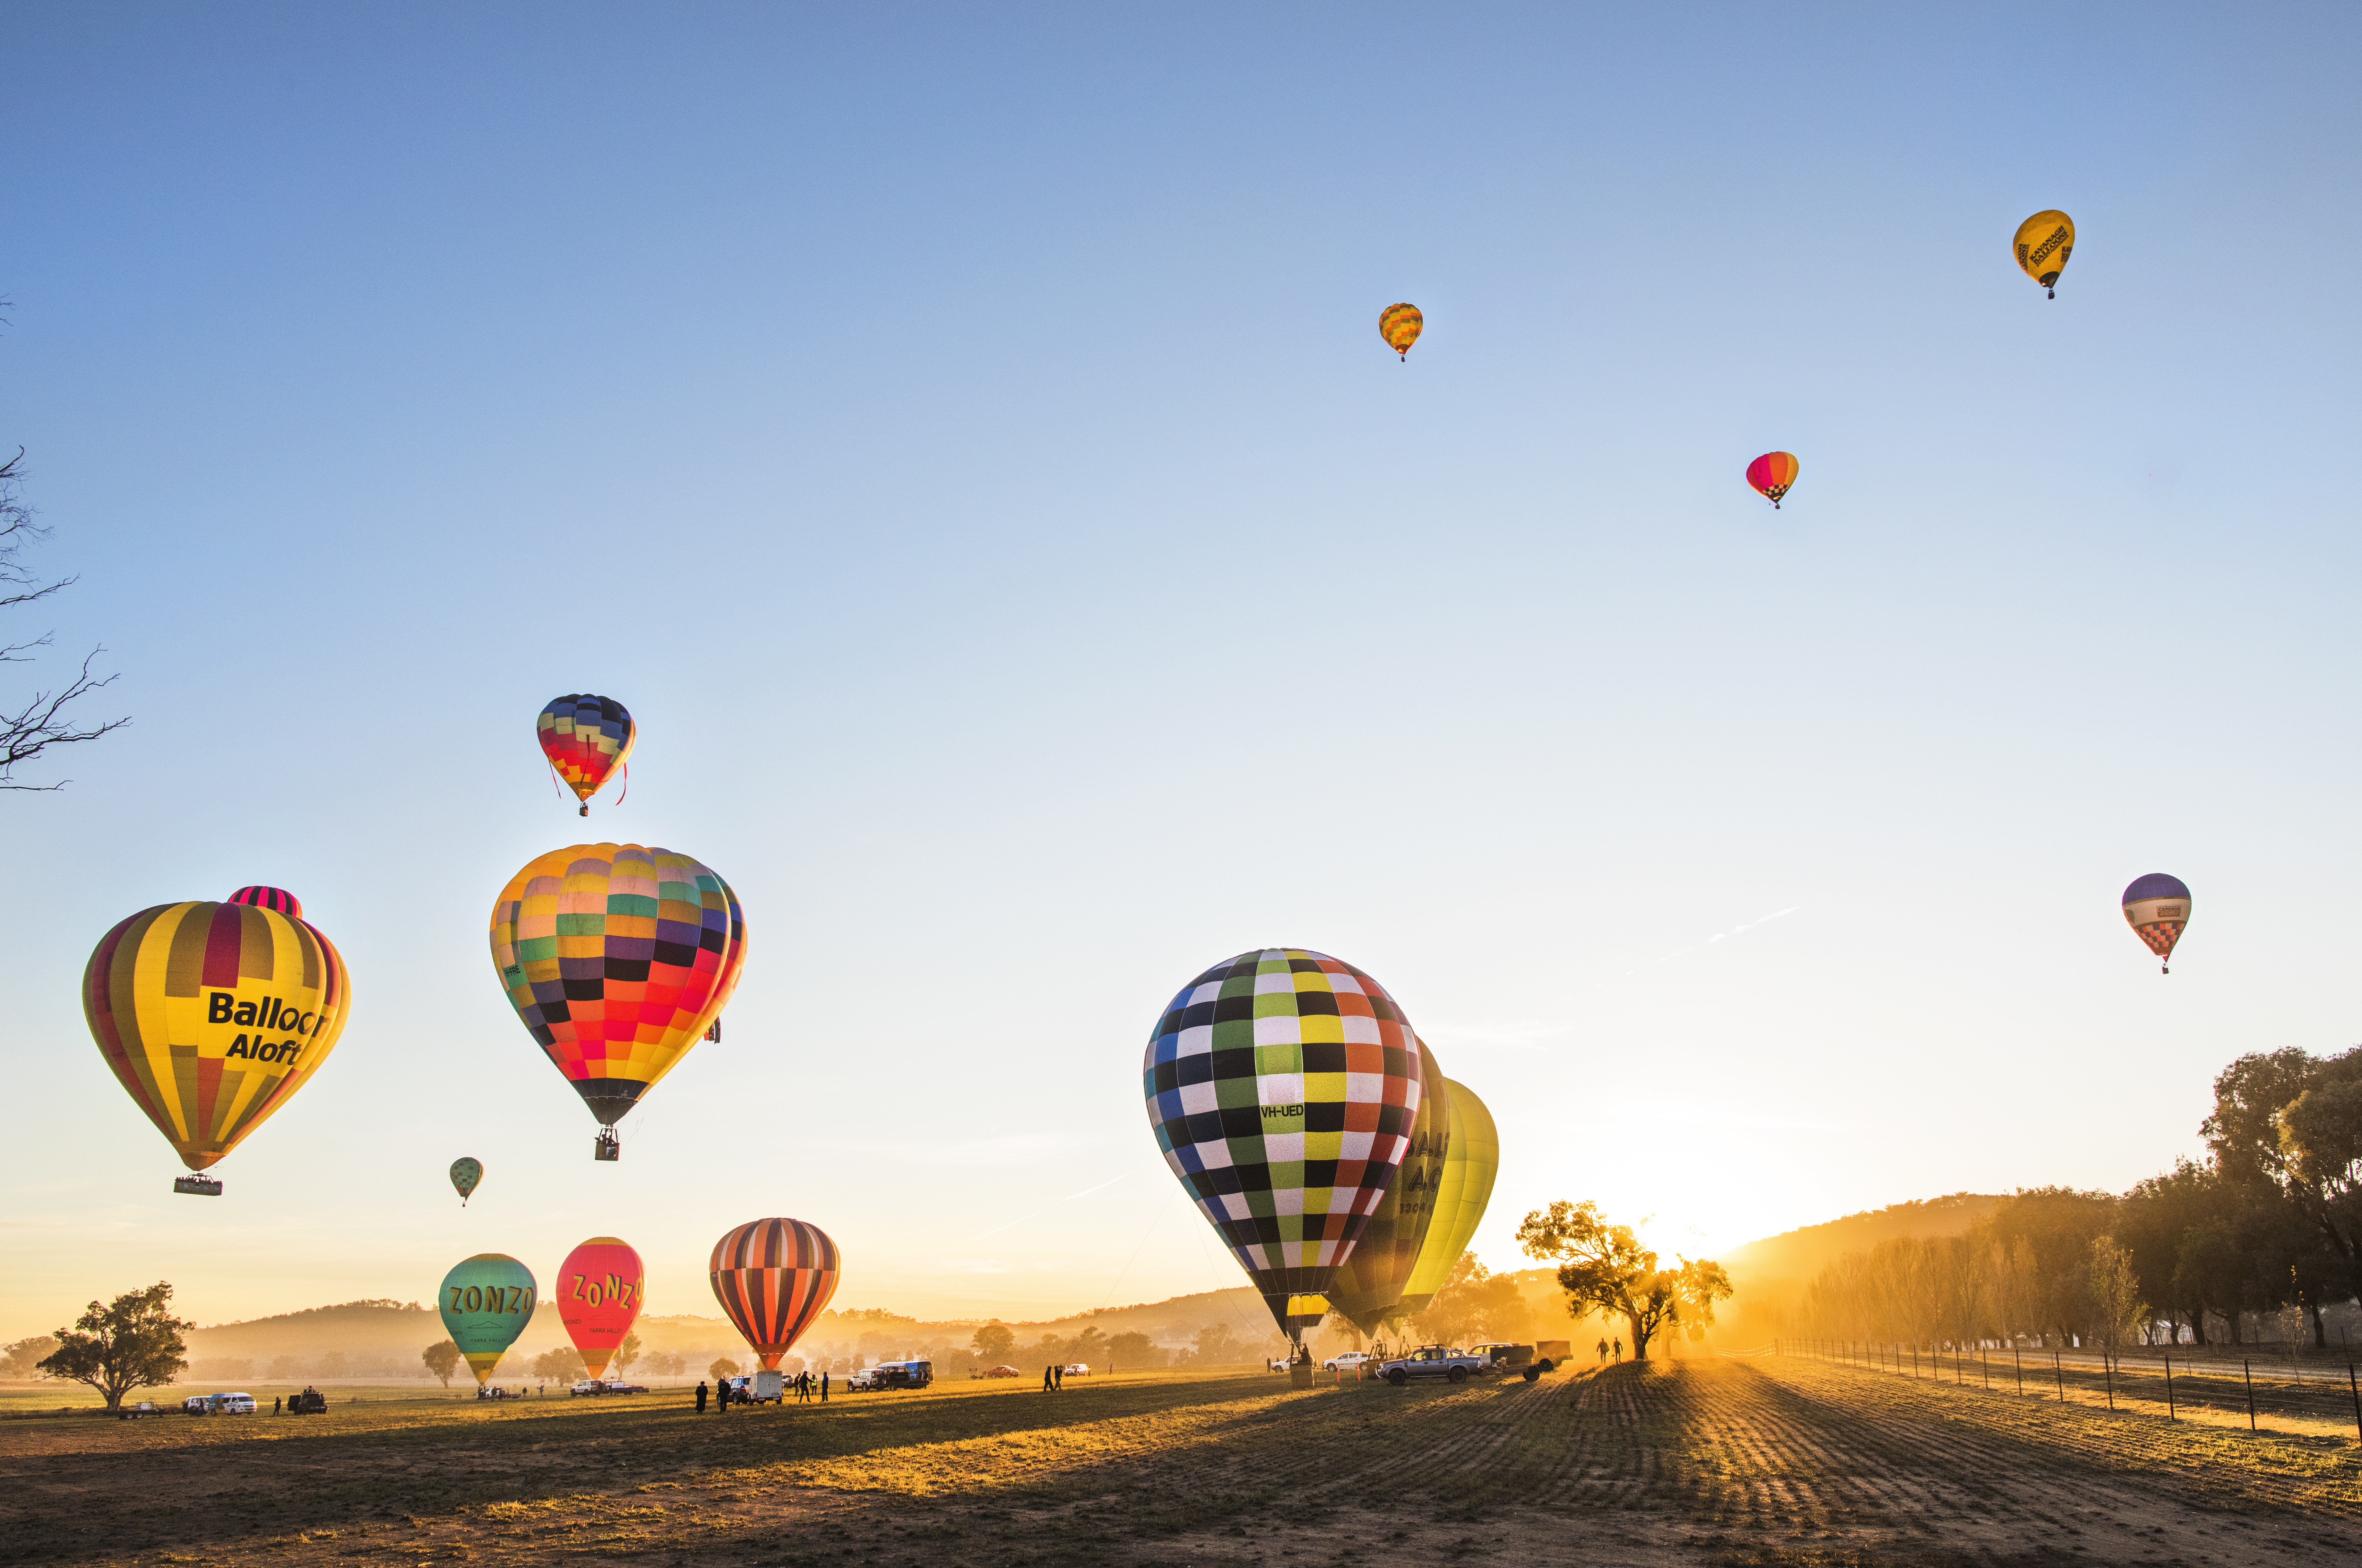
(1804, 1253)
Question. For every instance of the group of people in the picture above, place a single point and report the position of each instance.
(1620, 1348)
(804, 1385)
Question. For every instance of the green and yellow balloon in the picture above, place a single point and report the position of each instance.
(486, 1302)
(465, 1173)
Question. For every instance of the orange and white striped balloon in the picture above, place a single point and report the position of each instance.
(773, 1277)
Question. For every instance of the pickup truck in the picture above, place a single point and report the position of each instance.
(1432, 1361)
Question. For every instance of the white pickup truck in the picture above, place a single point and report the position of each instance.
(1433, 1361)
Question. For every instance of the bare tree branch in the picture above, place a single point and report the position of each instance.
(41, 722)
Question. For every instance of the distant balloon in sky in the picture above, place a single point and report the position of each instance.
(773, 1277)
(598, 1296)
(2042, 245)
(486, 1303)
(1470, 1163)
(587, 739)
(2158, 907)
(1282, 1086)
(211, 1016)
(1772, 473)
(617, 958)
(465, 1173)
(1400, 326)
(1369, 1286)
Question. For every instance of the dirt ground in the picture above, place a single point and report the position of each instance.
(1711, 1462)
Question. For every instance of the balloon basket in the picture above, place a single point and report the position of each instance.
(607, 1147)
(202, 1185)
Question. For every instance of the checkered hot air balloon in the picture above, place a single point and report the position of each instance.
(211, 1015)
(1400, 326)
(617, 958)
(2157, 907)
(1772, 473)
(1284, 1088)
(773, 1277)
(587, 740)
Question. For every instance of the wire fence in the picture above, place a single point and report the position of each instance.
(2217, 1389)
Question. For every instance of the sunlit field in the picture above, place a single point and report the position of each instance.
(1729, 1460)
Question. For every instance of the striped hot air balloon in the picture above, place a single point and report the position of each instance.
(1400, 326)
(587, 740)
(212, 1016)
(773, 1277)
(2157, 907)
(1772, 473)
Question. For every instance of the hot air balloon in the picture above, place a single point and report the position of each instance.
(587, 739)
(599, 1294)
(1470, 1161)
(211, 1015)
(2042, 245)
(1399, 325)
(1283, 1087)
(1772, 473)
(465, 1173)
(486, 1303)
(2158, 907)
(617, 958)
(773, 1277)
(1369, 1286)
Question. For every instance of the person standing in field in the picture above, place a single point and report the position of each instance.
(701, 1395)
(823, 1386)
(1619, 1347)
(1047, 1386)
(1602, 1350)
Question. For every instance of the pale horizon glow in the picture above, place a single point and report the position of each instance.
(963, 440)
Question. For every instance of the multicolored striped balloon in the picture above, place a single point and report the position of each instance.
(1282, 1086)
(486, 1301)
(2157, 907)
(1772, 473)
(1400, 326)
(617, 958)
(587, 739)
(600, 1286)
(212, 1016)
(773, 1277)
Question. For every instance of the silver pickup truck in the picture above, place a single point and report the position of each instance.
(1432, 1361)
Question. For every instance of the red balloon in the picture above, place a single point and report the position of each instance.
(1772, 473)
(774, 1277)
(598, 1291)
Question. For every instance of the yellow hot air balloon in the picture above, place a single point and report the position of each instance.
(2042, 245)
(1400, 326)
(1470, 1163)
(211, 1015)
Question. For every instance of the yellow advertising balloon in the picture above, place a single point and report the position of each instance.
(2042, 245)
(1399, 325)
(1470, 1163)
(211, 1015)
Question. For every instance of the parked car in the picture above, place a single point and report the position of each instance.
(594, 1385)
(1347, 1360)
(1001, 1372)
(145, 1408)
(312, 1402)
(892, 1375)
(761, 1388)
(198, 1405)
(218, 1405)
(1433, 1361)
(1074, 1369)
(1521, 1359)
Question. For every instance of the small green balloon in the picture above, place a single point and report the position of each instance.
(486, 1303)
(465, 1173)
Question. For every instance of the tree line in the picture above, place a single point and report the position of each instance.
(2271, 1222)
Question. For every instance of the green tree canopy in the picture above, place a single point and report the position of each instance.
(442, 1359)
(1604, 1268)
(133, 1342)
(994, 1341)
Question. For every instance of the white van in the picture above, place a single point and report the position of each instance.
(233, 1404)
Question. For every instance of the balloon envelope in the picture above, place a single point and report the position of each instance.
(2042, 245)
(616, 959)
(212, 1016)
(465, 1173)
(486, 1303)
(1772, 473)
(1400, 325)
(773, 1277)
(1283, 1087)
(2158, 907)
(587, 739)
(599, 1294)
(1369, 1283)
(1470, 1163)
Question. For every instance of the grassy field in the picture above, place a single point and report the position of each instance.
(1727, 1462)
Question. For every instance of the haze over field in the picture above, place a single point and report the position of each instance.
(963, 441)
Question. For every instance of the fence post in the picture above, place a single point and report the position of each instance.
(2350, 1388)
(2108, 1371)
(2057, 1371)
(2248, 1371)
(1984, 1366)
(2169, 1387)
(2017, 1360)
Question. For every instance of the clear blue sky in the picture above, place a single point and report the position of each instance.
(962, 437)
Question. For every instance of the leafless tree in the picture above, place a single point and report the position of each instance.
(28, 732)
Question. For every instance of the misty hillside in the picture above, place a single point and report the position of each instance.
(1801, 1254)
